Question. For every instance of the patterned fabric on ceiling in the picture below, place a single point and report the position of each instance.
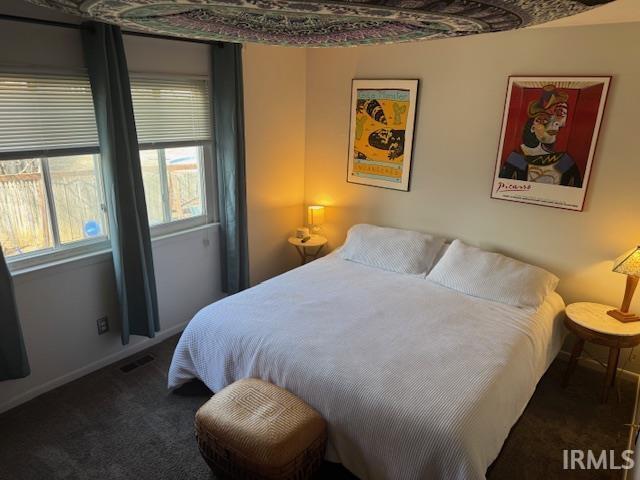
(322, 23)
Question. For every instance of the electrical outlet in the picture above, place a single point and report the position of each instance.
(103, 325)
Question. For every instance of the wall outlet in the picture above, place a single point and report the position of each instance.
(103, 325)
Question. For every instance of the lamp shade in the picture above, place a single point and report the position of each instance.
(315, 215)
(629, 263)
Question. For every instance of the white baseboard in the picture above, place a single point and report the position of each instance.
(594, 365)
(92, 367)
(148, 342)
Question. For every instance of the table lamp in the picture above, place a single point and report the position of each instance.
(315, 217)
(629, 264)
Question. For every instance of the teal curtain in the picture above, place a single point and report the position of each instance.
(13, 355)
(128, 221)
(226, 79)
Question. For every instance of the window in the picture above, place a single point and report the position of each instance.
(48, 203)
(173, 183)
(51, 197)
(173, 123)
(51, 194)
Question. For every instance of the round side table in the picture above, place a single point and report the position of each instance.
(316, 241)
(589, 322)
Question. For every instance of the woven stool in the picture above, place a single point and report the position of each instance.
(255, 430)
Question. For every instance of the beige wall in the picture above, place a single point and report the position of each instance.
(274, 97)
(461, 98)
(297, 115)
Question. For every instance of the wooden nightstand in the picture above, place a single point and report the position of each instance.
(316, 241)
(589, 322)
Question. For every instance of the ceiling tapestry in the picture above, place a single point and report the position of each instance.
(309, 23)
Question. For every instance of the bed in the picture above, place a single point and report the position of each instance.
(414, 379)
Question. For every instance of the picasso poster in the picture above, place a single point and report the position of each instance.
(382, 120)
(549, 134)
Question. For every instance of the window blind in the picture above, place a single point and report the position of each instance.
(43, 113)
(171, 110)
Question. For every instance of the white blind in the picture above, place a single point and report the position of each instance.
(171, 110)
(40, 113)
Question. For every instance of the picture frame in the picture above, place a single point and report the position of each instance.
(383, 114)
(548, 140)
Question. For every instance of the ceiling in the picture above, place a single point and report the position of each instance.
(620, 11)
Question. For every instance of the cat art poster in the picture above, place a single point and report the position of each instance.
(548, 140)
(381, 139)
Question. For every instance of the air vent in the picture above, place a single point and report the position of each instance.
(128, 367)
(148, 358)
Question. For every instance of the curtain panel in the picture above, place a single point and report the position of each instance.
(228, 108)
(127, 210)
(13, 355)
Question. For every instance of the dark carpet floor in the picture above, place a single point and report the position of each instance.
(116, 425)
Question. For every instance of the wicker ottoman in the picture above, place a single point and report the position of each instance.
(255, 430)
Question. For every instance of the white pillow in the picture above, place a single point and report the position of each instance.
(402, 251)
(492, 276)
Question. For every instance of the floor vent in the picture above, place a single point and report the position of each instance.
(146, 359)
(137, 363)
(128, 367)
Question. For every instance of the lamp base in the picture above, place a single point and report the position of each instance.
(624, 317)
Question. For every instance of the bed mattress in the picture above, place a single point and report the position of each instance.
(415, 380)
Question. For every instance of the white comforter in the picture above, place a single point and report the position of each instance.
(415, 381)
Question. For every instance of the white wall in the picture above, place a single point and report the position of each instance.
(59, 306)
(461, 99)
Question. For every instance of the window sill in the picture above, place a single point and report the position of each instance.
(93, 258)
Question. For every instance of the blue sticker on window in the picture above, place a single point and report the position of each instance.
(92, 229)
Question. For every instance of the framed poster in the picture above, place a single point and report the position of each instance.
(381, 135)
(549, 134)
